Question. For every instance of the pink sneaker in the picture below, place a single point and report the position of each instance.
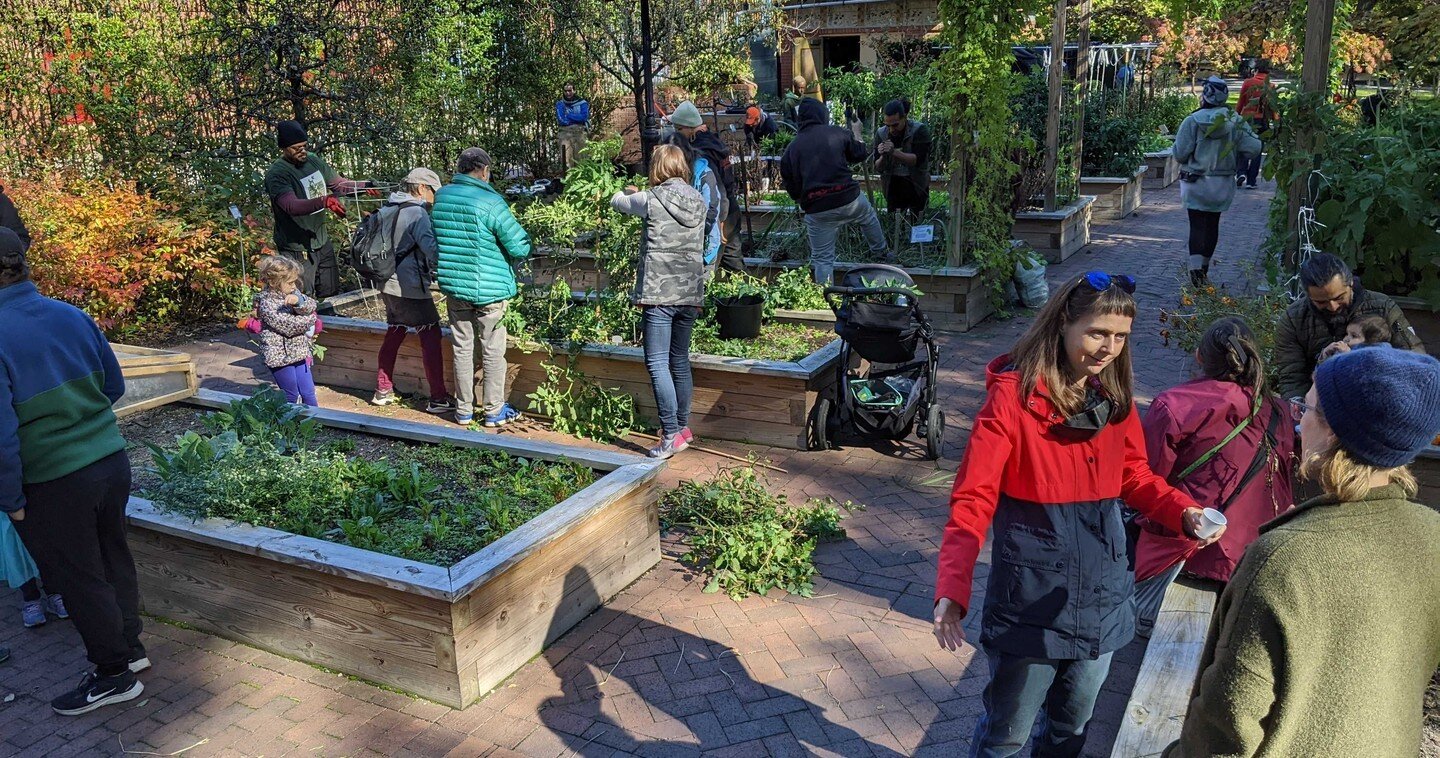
(686, 438)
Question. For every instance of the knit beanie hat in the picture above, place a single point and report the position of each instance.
(1382, 404)
(686, 115)
(289, 133)
(1215, 91)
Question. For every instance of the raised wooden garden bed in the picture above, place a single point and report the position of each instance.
(1425, 320)
(1057, 234)
(745, 400)
(1115, 196)
(1163, 169)
(152, 378)
(449, 635)
(954, 299)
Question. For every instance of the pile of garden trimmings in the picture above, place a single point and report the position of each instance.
(262, 462)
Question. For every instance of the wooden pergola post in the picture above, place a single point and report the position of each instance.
(1082, 80)
(1314, 78)
(1052, 117)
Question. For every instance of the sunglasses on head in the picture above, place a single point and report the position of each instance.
(1101, 281)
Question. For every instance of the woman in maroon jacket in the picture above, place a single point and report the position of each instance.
(1225, 441)
(1053, 452)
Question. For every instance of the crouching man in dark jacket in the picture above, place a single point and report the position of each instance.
(816, 172)
(1334, 298)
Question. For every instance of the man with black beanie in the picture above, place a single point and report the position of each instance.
(65, 476)
(302, 186)
(691, 126)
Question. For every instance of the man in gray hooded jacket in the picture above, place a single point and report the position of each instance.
(1209, 146)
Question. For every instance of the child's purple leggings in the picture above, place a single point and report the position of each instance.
(297, 382)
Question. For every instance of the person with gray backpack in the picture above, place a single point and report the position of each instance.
(1211, 144)
(395, 249)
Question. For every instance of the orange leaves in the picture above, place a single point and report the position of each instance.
(123, 256)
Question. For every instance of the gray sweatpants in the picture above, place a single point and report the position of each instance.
(470, 323)
(824, 226)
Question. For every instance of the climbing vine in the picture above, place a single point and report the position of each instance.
(974, 83)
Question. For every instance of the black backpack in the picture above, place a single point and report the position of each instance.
(372, 252)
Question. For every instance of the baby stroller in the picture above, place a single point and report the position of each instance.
(878, 318)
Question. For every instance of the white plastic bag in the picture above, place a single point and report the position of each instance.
(1030, 280)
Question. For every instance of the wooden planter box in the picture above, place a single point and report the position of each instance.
(1057, 234)
(1115, 196)
(1163, 169)
(954, 299)
(761, 402)
(152, 378)
(449, 635)
(1425, 320)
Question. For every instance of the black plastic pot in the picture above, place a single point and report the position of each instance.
(739, 318)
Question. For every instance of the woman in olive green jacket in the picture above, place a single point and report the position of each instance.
(1326, 637)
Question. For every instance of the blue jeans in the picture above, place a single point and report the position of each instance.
(296, 382)
(1019, 687)
(667, 356)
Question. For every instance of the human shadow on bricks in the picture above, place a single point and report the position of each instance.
(650, 689)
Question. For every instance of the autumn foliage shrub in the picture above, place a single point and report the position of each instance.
(129, 260)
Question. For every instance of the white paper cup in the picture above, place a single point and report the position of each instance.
(1210, 522)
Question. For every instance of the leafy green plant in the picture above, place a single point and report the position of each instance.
(1202, 306)
(795, 290)
(435, 504)
(748, 539)
(580, 406)
(1114, 127)
(266, 418)
(776, 143)
(777, 342)
(734, 287)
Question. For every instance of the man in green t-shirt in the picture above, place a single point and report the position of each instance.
(302, 186)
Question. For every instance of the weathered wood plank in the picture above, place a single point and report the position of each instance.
(1156, 711)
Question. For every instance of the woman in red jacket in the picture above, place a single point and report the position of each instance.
(1053, 452)
(1227, 442)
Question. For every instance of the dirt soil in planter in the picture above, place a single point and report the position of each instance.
(431, 503)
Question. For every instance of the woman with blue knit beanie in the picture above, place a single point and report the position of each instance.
(1326, 637)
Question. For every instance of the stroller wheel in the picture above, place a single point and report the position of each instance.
(820, 427)
(934, 432)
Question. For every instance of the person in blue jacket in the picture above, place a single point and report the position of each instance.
(478, 238)
(573, 114)
(65, 476)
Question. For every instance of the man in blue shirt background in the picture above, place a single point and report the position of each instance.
(573, 113)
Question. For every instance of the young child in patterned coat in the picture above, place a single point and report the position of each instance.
(287, 328)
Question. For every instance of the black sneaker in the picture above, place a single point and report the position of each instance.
(96, 692)
(443, 405)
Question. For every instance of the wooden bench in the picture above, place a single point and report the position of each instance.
(1156, 710)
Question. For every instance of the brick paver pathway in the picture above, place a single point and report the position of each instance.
(663, 669)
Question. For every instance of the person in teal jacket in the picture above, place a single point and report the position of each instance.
(1209, 146)
(478, 238)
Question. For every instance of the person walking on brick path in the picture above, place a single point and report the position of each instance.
(1257, 103)
(1325, 639)
(691, 126)
(478, 238)
(1210, 144)
(408, 302)
(287, 328)
(902, 158)
(1054, 452)
(1334, 298)
(302, 186)
(1228, 442)
(65, 476)
(816, 171)
(572, 113)
(669, 286)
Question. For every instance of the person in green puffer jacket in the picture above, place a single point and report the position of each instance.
(1209, 147)
(478, 238)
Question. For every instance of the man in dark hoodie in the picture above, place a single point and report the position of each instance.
(688, 124)
(817, 174)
